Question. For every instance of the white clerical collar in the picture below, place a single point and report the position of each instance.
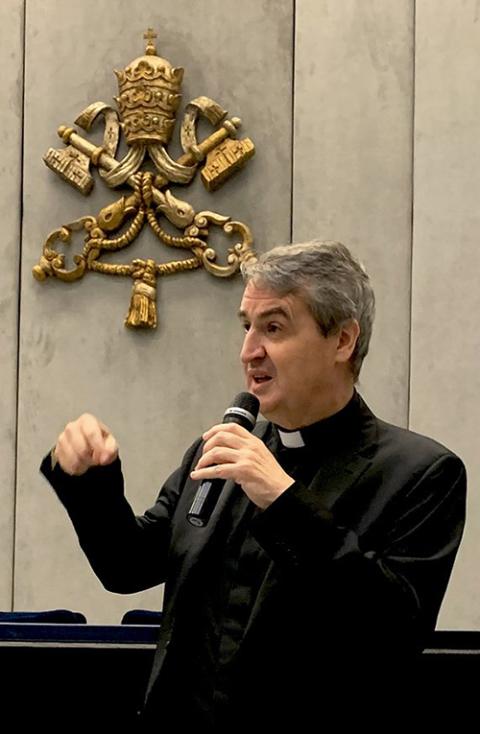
(291, 439)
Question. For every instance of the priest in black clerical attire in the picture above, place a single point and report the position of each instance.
(305, 600)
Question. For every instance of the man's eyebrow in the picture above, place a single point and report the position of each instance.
(274, 311)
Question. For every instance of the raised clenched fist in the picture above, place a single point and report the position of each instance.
(84, 443)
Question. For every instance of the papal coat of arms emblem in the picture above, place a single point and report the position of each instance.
(149, 95)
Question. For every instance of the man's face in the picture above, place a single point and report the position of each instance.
(289, 365)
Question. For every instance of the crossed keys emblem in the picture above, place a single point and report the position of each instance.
(148, 99)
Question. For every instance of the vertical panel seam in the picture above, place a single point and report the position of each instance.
(292, 141)
(412, 216)
(20, 240)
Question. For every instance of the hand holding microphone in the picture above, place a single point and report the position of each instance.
(231, 452)
(243, 412)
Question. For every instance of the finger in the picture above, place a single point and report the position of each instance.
(68, 459)
(219, 471)
(211, 431)
(218, 455)
(78, 443)
(104, 429)
(92, 431)
(229, 427)
(224, 438)
(72, 449)
(110, 451)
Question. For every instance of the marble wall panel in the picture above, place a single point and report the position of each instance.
(159, 390)
(11, 88)
(353, 163)
(445, 380)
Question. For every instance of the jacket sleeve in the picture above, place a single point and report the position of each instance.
(383, 585)
(128, 553)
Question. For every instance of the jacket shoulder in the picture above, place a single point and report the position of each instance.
(411, 446)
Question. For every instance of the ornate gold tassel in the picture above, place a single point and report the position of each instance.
(143, 306)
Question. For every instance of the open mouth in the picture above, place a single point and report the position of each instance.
(258, 380)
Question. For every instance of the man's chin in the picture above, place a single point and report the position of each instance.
(269, 402)
(275, 411)
(268, 407)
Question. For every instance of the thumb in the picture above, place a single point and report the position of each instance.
(110, 450)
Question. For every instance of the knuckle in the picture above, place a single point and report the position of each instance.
(69, 428)
(89, 434)
(86, 417)
(72, 467)
(84, 455)
(88, 423)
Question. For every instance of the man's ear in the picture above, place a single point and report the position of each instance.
(346, 340)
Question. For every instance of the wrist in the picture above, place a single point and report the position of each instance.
(278, 491)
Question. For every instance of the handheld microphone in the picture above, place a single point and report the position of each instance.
(243, 411)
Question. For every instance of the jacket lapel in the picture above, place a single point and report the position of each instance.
(340, 472)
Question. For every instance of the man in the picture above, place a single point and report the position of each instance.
(322, 569)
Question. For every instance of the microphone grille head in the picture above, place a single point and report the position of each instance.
(243, 410)
(247, 401)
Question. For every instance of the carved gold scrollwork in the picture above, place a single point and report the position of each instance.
(111, 134)
(52, 263)
(236, 255)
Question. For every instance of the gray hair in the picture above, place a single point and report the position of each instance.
(333, 283)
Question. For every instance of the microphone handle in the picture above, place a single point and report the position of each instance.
(204, 502)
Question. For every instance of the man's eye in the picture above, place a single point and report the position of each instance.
(273, 328)
(246, 326)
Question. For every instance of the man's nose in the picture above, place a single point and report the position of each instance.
(252, 348)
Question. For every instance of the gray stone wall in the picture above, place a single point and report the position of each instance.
(11, 87)
(353, 162)
(445, 343)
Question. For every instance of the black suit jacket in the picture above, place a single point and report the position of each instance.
(359, 563)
